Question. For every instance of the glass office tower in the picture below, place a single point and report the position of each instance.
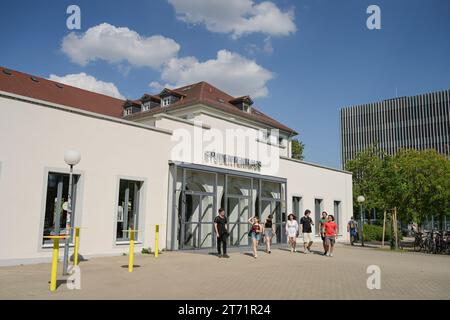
(420, 122)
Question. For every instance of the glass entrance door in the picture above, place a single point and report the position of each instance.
(197, 221)
(238, 215)
(273, 207)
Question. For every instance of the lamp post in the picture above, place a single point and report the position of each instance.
(72, 158)
(361, 200)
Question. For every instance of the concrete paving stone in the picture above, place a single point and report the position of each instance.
(281, 275)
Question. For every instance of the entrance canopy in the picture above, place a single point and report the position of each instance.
(199, 191)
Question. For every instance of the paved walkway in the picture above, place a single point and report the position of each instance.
(280, 275)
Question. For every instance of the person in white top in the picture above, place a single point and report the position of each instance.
(292, 231)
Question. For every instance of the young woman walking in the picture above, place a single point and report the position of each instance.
(255, 234)
(269, 232)
(292, 231)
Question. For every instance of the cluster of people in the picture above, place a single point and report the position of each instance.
(257, 231)
(327, 228)
(328, 231)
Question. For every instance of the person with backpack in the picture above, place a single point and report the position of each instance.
(306, 224)
(352, 228)
(255, 234)
(220, 226)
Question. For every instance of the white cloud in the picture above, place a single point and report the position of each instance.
(156, 86)
(237, 17)
(230, 72)
(87, 82)
(118, 45)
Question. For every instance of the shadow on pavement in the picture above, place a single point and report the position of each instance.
(134, 266)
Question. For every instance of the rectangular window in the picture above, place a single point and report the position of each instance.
(146, 106)
(56, 196)
(318, 208)
(166, 101)
(246, 108)
(297, 206)
(337, 213)
(128, 209)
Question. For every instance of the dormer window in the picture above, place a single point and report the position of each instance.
(149, 101)
(131, 106)
(166, 101)
(246, 107)
(128, 111)
(169, 97)
(243, 103)
(146, 106)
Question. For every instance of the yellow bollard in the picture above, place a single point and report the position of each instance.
(54, 264)
(131, 258)
(77, 243)
(157, 241)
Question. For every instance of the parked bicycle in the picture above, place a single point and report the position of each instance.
(442, 242)
(432, 242)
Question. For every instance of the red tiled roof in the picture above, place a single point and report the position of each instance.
(209, 95)
(43, 89)
(50, 91)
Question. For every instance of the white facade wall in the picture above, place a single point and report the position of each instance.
(34, 137)
(211, 129)
(33, 140)
(223, 125)
(312, 182)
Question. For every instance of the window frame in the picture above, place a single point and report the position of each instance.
(128, 111)
(318, 217)
(140, 236)
(166, 101)
(300, 205)
(337, 218)
(146, 106)
(77, 214)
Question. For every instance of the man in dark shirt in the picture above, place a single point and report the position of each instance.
(306, 223)
(220, 225)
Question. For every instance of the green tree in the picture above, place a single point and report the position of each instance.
(298, 148)
(425, 184)
(367, 174)
(417, 183)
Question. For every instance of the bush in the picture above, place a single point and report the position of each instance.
(375, 233)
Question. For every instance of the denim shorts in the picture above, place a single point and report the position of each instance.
(256, 236)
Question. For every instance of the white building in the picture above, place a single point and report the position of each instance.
(164, 159)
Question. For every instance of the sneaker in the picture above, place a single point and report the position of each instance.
(219, 255)
(225, 256)
(255, 256)
(270, 252)
(331, 254)
(325, 253)
(292, 249)
(295, 250)
(309, 251)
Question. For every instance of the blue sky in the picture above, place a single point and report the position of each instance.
(301, 72)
